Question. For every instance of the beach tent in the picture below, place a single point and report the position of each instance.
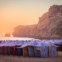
(52, 50)
(37, 48)
(2, 47)
(19, 51)
(44, 49)
(52, 47)
(57, 42)
(30, 46)
(41, 48)
(24, 49)
(10, 47)
(7, 46)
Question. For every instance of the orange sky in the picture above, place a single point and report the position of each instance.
(22, 12)
(13, 17)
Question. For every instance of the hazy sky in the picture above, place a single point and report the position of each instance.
(22, 12)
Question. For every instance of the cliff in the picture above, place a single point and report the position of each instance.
(49, 25)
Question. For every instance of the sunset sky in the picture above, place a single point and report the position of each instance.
(22, 12)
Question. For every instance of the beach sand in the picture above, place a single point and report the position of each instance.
(29, 59)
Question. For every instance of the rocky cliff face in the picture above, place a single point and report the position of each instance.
(51, 22)
(55, 21)
(49, 25)
(24, 31)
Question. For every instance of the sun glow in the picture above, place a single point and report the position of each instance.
(3, 34)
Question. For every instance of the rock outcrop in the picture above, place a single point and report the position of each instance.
(55, 21)
(49, 25)
(24, 31)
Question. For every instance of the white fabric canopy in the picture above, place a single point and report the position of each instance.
(14, 41)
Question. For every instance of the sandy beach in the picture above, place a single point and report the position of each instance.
(29, 59)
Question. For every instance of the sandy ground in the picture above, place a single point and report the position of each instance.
(27, 59)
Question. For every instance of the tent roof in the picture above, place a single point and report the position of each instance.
(14, 41)
(35, 42)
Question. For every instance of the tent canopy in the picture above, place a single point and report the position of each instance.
(15, 41)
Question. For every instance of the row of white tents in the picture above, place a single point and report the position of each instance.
(42, 48)
(7, 41)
